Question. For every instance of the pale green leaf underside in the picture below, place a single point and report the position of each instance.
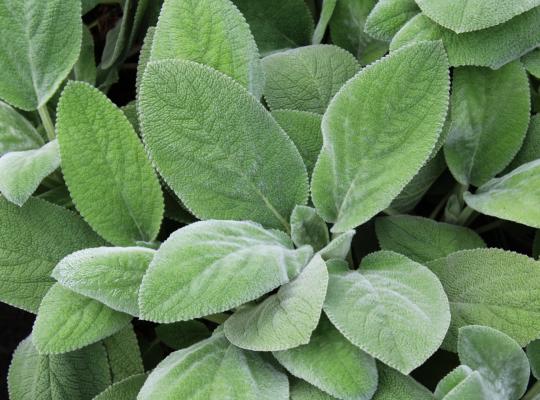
(308, 228)
(451, 380)
(306, 78)
(214, 370)
(462, 383)
(394, 385)
(212, 266)
(217, 147)
(391, 307)
(422, 239)
(492, 47)
(472, 15)
(514, 196)
(484, 132)
(78, 375)
(332, 363)
(283, 320)
(39, 45)
(16, 133)
(67, 321)
(376, 122)
(123, 354)
(110, 275)
(34, 239)
(338, 247)
(388, 17)
(110, 179)
(210, 32)
(21, 172)
(491, 287)
(127, 389)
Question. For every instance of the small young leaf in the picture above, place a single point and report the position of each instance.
(301, 390)
(393, 386)
(283, 320)
(485, 133)
(491, 287)
(217, 147)
(39, 45)
(531, 62)
(462, 383)
(67, 321)
(338, 247)
(110, 275)
(327, 9)
(123, 354)
(492, 47)
(451, 380)
(533, 353)
(214, 370)
(277, 24)
(106, 169)
(16, 133)
(423, 239)
(472, 15)
(333, 364)
(530, 150)
(498, 358)
(374, 124)
(182, 334)
(307, 78)
(127, 389)
(34, 239)
(235, 262)
(21, 172)
(78, 375)
(388, 17)
(308, 228)
(514, 196)
(85, 67)
(229, 45)
(391, 307)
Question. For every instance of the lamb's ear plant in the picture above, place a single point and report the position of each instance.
(229, 199)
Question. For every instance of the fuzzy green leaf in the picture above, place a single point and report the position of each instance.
(492, 47)
(235, 262)
(423, 239)
(331, 363)
(144, 56)
(462, 383)
(374, 123)
(308, 228)
(182, 334)
(485, 133)
(127, 389)
(79, 375)
(533, 353)
(39, 45)
(530, 150)
(16, 133)
(217, 147)
(283, 320)
(327, 9)
(214, 370)
(123, 354)
(85, 67)
(388, 17)
(531, 62)
(67, 321)
(491, 287)
(307, 78)
(21, 172)
(301, 390)
(338, 247)
(34, 239)
(106, 169)
(229, 45)
(393, 386)
(514, 196)
(391, 307)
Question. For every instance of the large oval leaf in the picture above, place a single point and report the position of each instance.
(213, 370)
(374, 124)
(391, 307)
(39, 45)
(213, 266)
(394, 385)
(106, 169)
(16, 133)
(217, 147)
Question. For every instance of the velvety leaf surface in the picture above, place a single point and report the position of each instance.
(491, 287)
(16, 133)
(85, 67)
(423, 239)
(492, 47)
(394, 385)
(462, 383)
(306, 78)
(472, 15)
(531, 62)
(213, 370)
(374, 123)
(530, 150)
(67, 321)
(230, 47)
(391, 307)
(106, 169)
(533, 353)
(123, 354)
(308, 228)
(235, 262)
(338, 247)
(182, 334)
(327, 9)
(486, 133)
(283, 320)
(451, 381)
(332, 363)
(388, 17)
(217, 147)
(34, 239)
(127, 389)
(514, 196)
(277, 24)
(21, 172)
(39, 45)
(301, 390)
(78, 375)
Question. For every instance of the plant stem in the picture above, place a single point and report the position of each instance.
(465, 215)
(533, 393)
(47, 121)
(439, 207)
